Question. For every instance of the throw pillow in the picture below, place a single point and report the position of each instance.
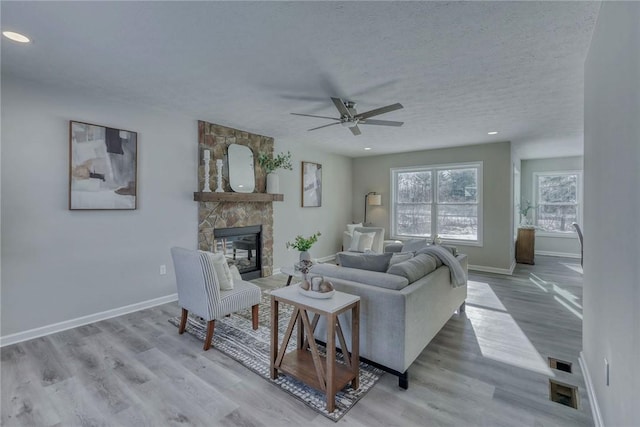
(414, 245)
(223, 273)
(400, 257)
(235, 273)
(351, 228)
(414, 268)
(361, 242)
(370, 262)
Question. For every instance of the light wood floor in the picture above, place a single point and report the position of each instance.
(486, 368)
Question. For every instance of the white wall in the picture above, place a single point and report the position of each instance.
(290, 219)
(565, 245)
(611, 326)
(373, 174)
(58, 265)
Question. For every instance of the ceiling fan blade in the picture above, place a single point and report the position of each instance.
(381, 110)
(344, 111)
(355, 130)
(380, 122)
(311, 115)
(324, 126)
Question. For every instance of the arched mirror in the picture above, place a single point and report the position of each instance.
(241, 173)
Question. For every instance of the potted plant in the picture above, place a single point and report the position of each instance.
(303, 244)
(524, 213)
(272, 163)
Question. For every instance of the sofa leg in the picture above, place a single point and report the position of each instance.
(463, 307)
(403, 380)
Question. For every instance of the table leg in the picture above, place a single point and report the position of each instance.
(300, 333)
(331, 362)
(355, 345)
(274, 338)
(289, 280)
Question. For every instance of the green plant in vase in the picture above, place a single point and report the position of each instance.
(524, 212)
(303, 244)
(270, 164)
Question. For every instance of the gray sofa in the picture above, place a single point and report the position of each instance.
(398, 318)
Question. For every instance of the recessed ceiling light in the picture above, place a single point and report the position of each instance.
(367, 148)
(16, 37)
(492, 133)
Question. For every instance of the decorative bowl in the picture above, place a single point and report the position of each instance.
(316, 295)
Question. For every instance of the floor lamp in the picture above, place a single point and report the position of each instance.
(371, 198)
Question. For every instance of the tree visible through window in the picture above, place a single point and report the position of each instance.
(558, 201)
(437, 200)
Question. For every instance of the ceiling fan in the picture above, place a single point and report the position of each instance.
(350, 118)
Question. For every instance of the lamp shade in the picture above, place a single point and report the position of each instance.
(374, 199)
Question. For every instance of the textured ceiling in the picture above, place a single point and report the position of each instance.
(459, 69)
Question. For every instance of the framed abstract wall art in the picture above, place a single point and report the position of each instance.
(311, 184)
(102, 167)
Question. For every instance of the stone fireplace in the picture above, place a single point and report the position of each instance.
(220, 215)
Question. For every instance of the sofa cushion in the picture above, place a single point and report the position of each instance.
(370, 261)
(414, 268)
(361, 242)
(414, 245)
(352, 227)
(370, 278)
(399, 257)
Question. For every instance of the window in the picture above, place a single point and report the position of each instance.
(558, 200)
(443, 200)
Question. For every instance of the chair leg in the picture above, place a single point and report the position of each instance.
(183, 321)
(207, 341)
(254, 316)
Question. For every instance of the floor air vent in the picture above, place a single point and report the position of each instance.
(564, 394)
(560, 365)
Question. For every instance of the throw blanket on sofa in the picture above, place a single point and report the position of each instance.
(458, 276)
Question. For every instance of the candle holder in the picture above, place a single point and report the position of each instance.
(206, 188)
(219, 171)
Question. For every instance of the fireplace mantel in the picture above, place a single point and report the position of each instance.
(199, 196)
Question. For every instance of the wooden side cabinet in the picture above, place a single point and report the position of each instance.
(525, 245)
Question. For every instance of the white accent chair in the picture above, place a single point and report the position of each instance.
(378, 239)
(200, 294)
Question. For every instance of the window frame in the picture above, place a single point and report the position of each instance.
(579, 206)
(434, 200)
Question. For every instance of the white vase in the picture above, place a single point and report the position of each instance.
(273, 183)
(305, 256)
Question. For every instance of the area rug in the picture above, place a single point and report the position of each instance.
(235, 337)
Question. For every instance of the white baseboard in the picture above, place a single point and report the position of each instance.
(558, 254)
(505, 271)
(595, 409)
(84, 320)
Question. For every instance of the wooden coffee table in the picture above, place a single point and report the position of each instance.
(305, 363)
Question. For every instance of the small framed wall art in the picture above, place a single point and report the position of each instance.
(102, 167)
(311, 184)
